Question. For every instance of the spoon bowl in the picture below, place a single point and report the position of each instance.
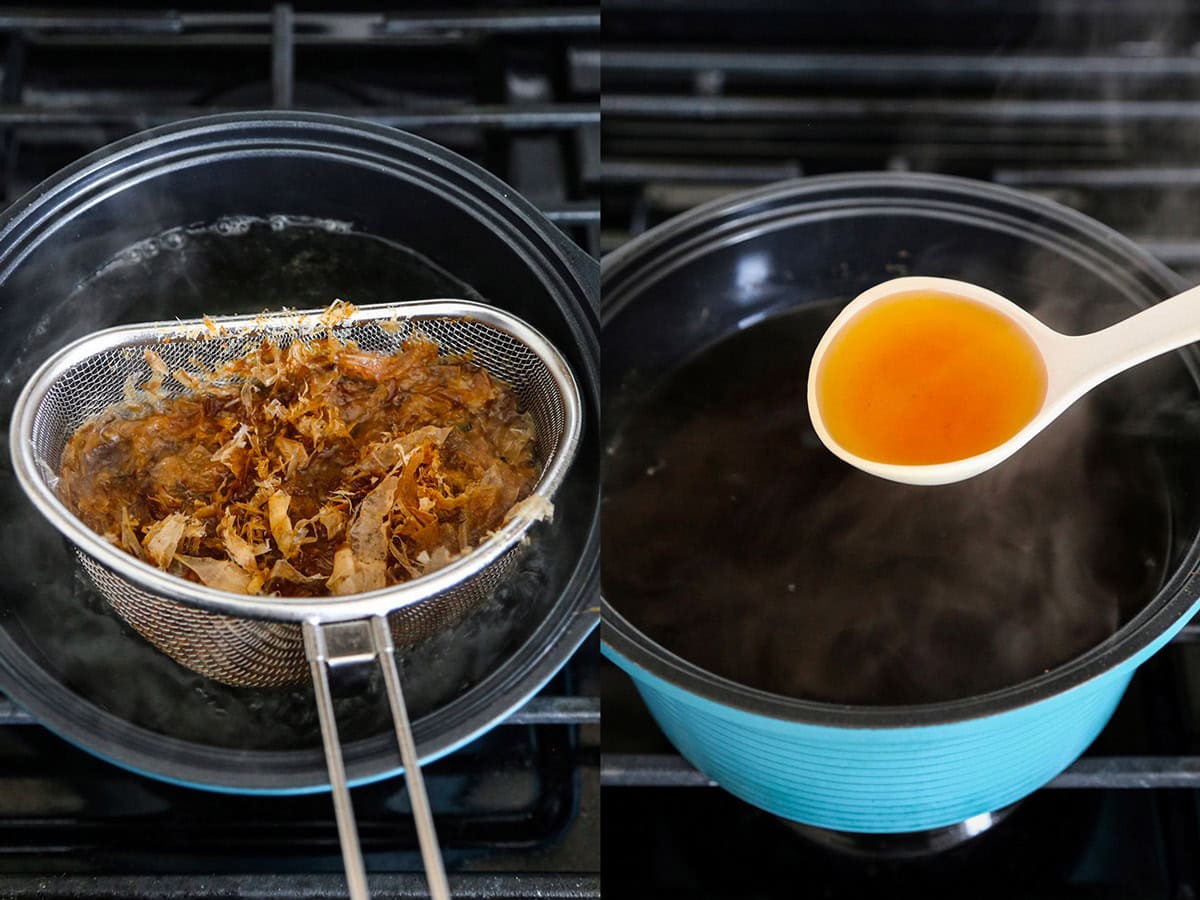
(1074, 364)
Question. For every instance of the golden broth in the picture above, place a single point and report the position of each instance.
(923, 378)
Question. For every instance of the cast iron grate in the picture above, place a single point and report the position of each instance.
(515, 88)
(1096, 106)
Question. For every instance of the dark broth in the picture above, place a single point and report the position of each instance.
(735, 540)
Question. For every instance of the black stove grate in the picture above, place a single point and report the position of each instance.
(514, 88)
(1094, 105)
(517, 812)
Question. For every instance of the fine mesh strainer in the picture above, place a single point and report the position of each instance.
(272, 641)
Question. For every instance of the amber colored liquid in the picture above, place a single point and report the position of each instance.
(925, 378)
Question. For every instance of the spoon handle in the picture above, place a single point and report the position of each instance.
(1092, 358)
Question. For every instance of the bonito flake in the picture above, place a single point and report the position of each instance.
(314, 469)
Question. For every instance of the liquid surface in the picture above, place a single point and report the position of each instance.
(923, 378)
(733, 538)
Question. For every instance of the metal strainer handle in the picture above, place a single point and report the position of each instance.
(355, 643)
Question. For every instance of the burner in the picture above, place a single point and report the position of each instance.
(905, 845)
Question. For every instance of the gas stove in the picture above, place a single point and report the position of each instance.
(1093, 106)
(517, 813)
(512, 87)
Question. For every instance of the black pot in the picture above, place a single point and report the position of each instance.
(241, 213)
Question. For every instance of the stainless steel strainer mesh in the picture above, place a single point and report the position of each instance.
(259, 643)
(273, 641)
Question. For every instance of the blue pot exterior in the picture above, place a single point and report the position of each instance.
(894, 779)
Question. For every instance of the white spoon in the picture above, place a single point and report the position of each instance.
(1074, 365)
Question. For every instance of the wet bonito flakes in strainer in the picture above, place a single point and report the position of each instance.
(311, 469)
(248, 640)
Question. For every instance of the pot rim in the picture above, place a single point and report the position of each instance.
(1170, 609)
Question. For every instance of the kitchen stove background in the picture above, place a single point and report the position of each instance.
(513, 87)
(1094, 105)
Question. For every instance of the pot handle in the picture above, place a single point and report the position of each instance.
(350, 643)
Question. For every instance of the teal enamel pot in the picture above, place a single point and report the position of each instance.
(717, 269)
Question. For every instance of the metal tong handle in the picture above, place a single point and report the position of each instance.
(349, 643)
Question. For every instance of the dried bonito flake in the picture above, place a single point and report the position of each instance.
(163, 537)
(304, 470)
